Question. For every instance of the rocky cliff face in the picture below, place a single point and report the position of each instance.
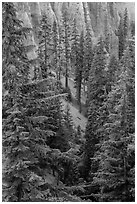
(30, 13)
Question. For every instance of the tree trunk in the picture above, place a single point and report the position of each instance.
(45, 70)
(19, 192)
(79, 91)
(66, 79)
(84, 84)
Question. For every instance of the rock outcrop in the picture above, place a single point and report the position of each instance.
(98, 12)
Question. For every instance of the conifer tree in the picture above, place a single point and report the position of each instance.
(132, 27)
(32, 167)
(117, 160)
(125, 24)
(123, 32)
(56, 49)
(45, 34)
(107, 33)
(65, 17)
(75, 43)
(15, 134)
(121, 37)
(88, 47)
(68, 123)
(80, 69)
(96, 98)
(111, 73)
(77, 51)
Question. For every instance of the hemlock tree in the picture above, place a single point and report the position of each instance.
(96, 98)
(117, 161)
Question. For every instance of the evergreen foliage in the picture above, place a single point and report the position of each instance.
(66, 27)
(123, 32)
(113, 68)
(132, 27)
(96, 98)
(56, 49)
(45, 45)
(107, 34)
(46, 154)
(68, 122)
(117, 159)
(77, 52)
(34, 161)
(88, 47)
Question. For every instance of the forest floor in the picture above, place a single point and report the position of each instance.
(71, 85)
(78, 118)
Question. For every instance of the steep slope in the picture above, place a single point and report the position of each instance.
(78, 119)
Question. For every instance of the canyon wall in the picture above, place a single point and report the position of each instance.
(98, 12)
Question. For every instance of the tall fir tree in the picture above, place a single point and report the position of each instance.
(123, 32)
(107, 33)
(56, 49)
(126, 24)
(113, 68)
(121, 38)
(132, 28)
(15, 134)
(32, 167)
(96, 98)
(45, 45)
(117, 161)
(80, 69)
(66, 26)
(88, 45)
(77, 52)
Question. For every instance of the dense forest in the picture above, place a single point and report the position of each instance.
(68, 103)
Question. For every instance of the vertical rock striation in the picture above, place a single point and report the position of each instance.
(30, 13)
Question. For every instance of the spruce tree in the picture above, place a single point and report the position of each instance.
(77, 51)
(45, 46)
(56, 49)
(88, 45)
(66, 27)
(121, 38)
(132, 28)
(80, 68)
(68, 124)
(125, 24)
(113, 68)
(117, 160)
(32, 167)
(15, 134)
(107, 33)
(96, 98)
(123, 32)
